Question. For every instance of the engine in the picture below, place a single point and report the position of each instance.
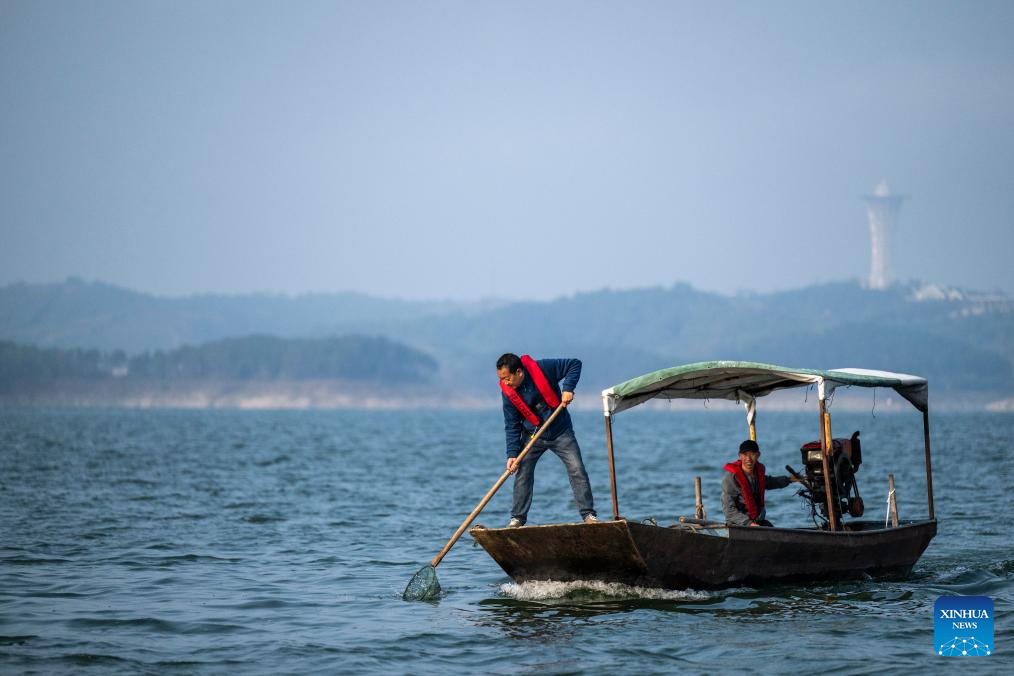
(846, 457)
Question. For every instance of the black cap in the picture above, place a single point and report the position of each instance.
(749, 446)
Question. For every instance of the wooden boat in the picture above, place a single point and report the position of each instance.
(708, 555)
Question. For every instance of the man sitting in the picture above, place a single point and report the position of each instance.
(744, 485)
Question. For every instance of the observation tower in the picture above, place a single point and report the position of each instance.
(882, 211)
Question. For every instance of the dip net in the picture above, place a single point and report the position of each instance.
(423, 586)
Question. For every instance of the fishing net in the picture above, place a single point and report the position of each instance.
(423, 586)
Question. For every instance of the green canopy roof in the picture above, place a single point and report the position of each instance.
(746, 380)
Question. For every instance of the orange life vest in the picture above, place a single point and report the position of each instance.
(753, 507)
(541, 384)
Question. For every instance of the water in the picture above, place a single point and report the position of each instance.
(266, 542)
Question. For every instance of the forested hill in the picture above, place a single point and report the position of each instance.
(95, 315)
(354, 359)
(962, 341)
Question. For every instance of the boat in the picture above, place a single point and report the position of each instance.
(699, 553)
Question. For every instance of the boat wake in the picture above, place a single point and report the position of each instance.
(592, 590)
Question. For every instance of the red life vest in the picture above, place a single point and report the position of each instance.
(541, 384)
(753, 507)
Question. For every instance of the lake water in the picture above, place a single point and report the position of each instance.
(267, 542)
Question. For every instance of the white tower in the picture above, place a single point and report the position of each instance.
(882, 211)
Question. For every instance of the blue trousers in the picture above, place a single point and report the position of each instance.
(566, 448)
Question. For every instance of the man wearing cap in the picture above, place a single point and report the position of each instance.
(743, 488)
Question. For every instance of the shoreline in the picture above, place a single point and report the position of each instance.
(327, 395)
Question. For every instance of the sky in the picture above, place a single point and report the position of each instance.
(521, 150)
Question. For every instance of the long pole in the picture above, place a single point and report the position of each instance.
(825, 437)
(503, 477)
(612, 466)
(929, 463)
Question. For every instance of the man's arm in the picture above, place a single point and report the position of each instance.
(730, 489)
(777, 481)
(513, 429)
(566, 372)
(572, 374)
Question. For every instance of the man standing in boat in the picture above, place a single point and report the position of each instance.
(531, 390)
(743, 488)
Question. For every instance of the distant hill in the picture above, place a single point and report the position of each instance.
(962, 341)
(356, 364)
(94, 315)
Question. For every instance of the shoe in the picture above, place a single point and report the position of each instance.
(591, 518)
(514, 523)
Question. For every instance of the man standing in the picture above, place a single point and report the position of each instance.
(743, 488)
(531, 390)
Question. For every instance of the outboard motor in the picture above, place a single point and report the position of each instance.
(843, 464)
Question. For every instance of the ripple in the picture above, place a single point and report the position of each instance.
(261, 604)
(243, 505)
(152, 623)
(146, 562)
(155, 624)
(16, 640)
(51, 594)
(87, 659)
(166, 561)
(135, 481)
(273, 461)
(31, 561)
(263, 518)
(187, 516)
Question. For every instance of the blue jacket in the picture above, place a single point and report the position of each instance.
(562, 375)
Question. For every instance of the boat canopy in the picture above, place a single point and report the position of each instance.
(744, 381)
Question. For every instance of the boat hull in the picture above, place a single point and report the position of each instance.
(682, 557)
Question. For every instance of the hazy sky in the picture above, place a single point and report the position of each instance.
(517, 149)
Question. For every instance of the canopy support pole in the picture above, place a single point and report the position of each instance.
(699, 506)
(612, 466)
(892, 502)
(825, 438)
(751, 412)
(929, 463)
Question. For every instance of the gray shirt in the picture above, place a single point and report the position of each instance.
(733, 503)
